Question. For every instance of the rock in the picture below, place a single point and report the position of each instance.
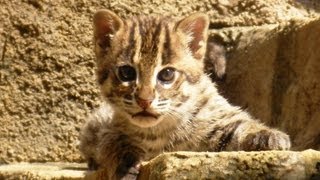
(234, 165)
(32, 171)
(189, 165)
(273, 72)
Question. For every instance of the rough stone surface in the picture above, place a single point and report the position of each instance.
(47, 83)
(189, 165)
(65, 171)
(234, 165)
(229, 165)
(273, 72)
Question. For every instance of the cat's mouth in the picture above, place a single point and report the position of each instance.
(145, 119)
(145, 114)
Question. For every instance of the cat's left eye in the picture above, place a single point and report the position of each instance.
(126, 73)
(166, 75)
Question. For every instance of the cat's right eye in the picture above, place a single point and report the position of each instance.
(166, 75)
(127, 73)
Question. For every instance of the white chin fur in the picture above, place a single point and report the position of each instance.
(144, 121)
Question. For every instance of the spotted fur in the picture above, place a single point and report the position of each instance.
(145, 116)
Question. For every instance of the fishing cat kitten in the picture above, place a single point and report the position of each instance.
(150, 70)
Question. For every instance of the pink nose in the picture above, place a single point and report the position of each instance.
(143, 103)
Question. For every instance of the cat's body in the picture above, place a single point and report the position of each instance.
(158, 99)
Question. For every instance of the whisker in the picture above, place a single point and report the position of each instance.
(162, 104)
(162, 100)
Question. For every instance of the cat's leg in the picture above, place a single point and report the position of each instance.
(108, 151)
(243, 133)
(263, 138)
(89, 141)
(117, 157)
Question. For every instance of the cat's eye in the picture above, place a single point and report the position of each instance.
(166, 75)
(126, 73)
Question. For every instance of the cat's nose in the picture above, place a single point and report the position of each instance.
(144, 103)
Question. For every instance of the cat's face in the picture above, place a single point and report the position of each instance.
(144, 62)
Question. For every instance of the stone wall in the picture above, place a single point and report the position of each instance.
(274, 73)
(47, 83)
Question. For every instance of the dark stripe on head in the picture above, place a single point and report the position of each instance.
(157, 31)
(130, 49)
(166, 52)
(103, 75)
(156, 37)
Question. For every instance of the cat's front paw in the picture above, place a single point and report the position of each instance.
(266, 140)
(128, 168)
(132, 174)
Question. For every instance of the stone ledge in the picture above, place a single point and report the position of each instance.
(234, 165)
(65, 171)
(190, 165)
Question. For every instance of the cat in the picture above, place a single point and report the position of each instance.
(158, 98)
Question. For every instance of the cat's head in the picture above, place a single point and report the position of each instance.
(144, 61)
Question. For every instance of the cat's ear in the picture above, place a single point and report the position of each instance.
(196, 27)
(106, 24)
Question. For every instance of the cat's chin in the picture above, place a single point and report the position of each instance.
(144, 120)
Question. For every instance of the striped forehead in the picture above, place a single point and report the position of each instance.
(148, 40)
